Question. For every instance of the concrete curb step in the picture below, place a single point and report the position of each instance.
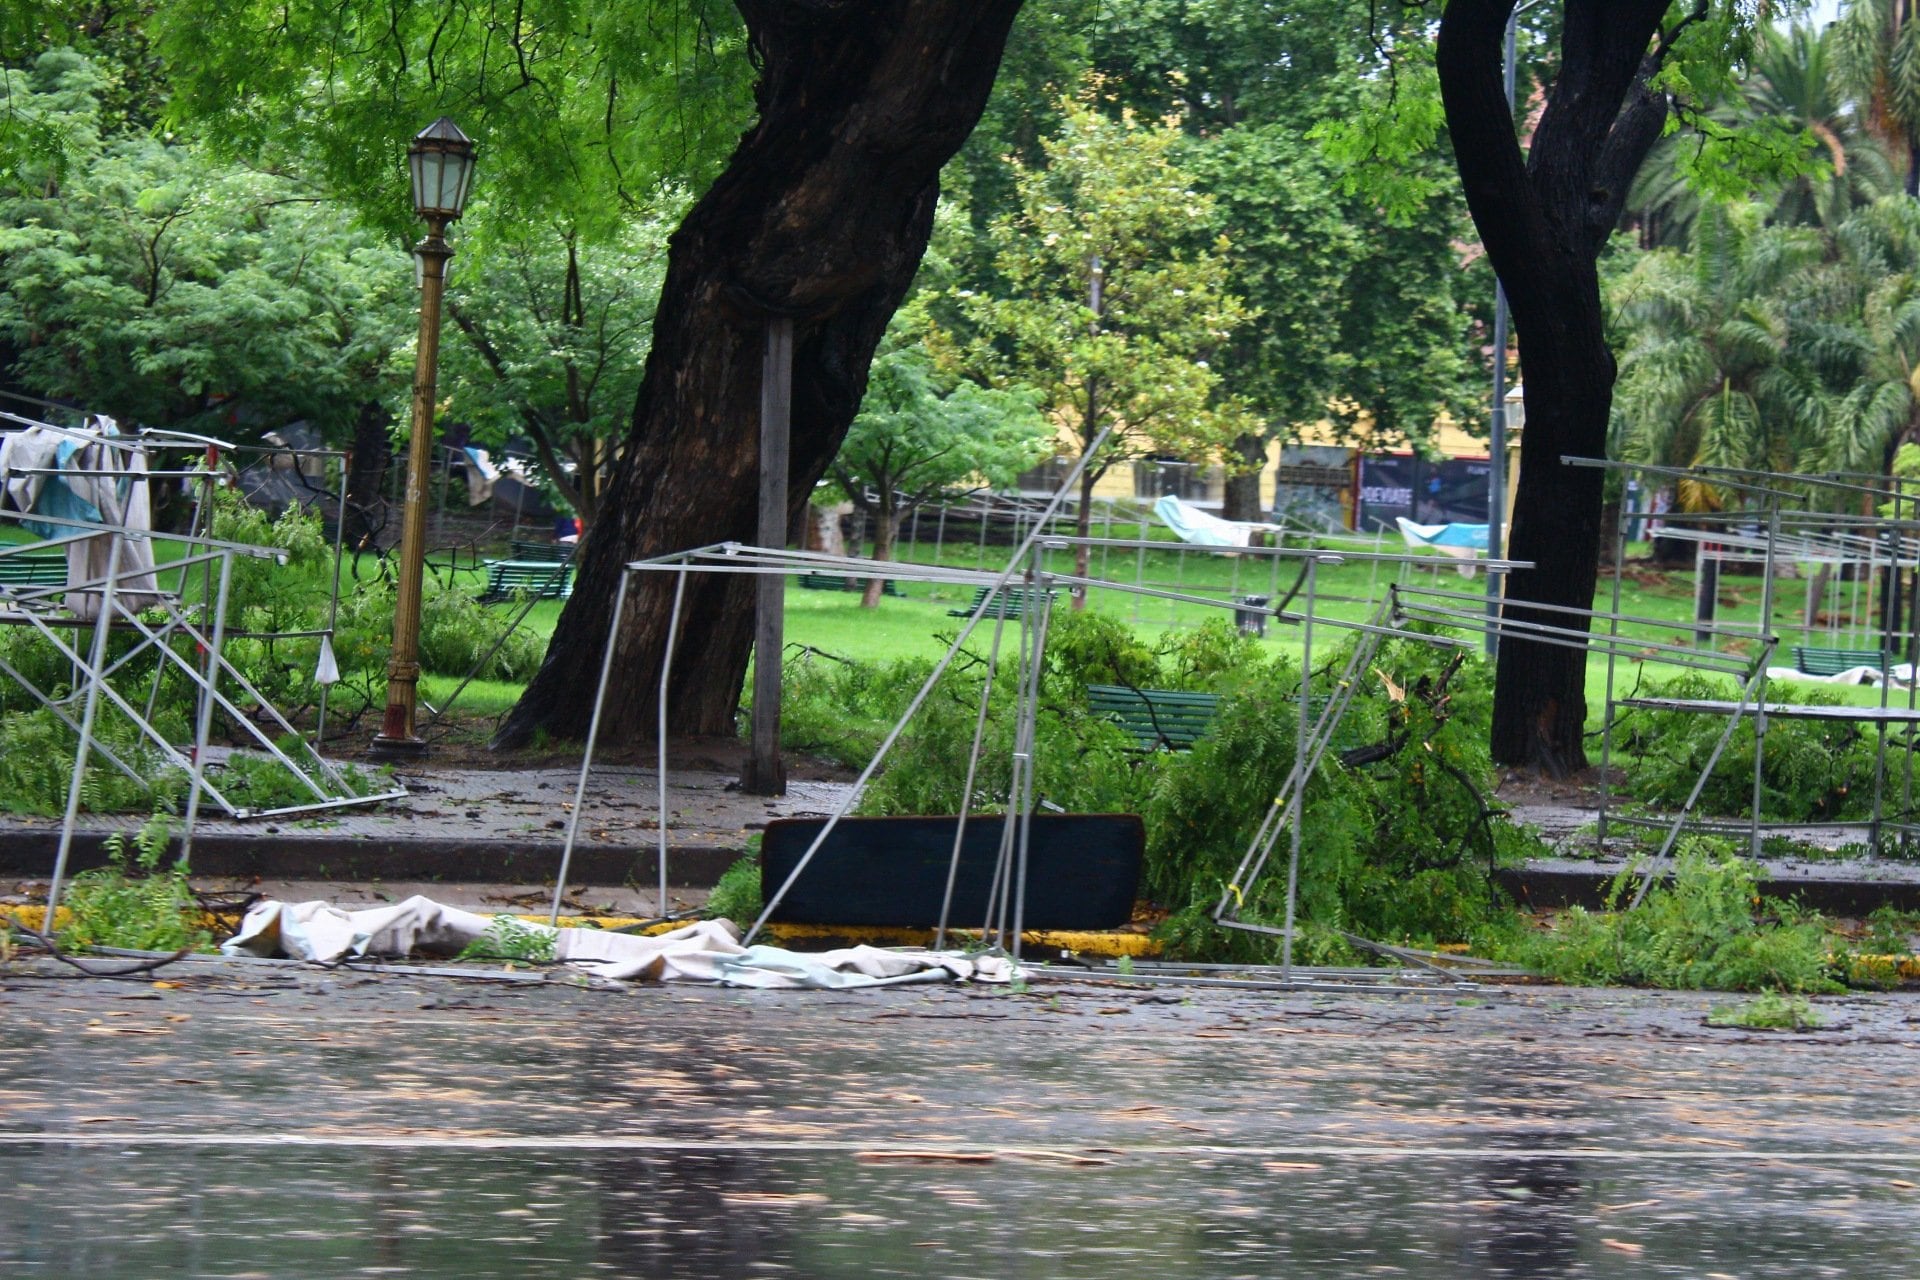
(391, 858)
(1843, 888)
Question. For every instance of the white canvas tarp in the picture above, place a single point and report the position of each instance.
(708, 951)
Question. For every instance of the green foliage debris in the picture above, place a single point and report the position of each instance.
(1768, 1011)
(510, 938)
(737, 896)
(137, 900)
(1705, 929)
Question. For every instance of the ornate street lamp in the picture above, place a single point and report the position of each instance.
(441, 162)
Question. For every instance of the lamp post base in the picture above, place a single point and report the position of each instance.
(387, 750)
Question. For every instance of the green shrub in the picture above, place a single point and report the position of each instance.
(134, 901)
(1092, 648)
(510, 938)
(266, 596)
(1705, 929)
(258, 781)
(36, 768)
(457, 631)
(1398, 849)
(843, 710)
(35, 658)
(1815, 771)
(1768, 1011)
(737, 896)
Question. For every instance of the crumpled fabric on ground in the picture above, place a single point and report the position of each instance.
(708, 951)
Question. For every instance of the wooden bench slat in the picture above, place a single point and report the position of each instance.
(1014, 600)
(548, 580)
(34, 570)
(542, 552)
(1171, 718)
(1814, 660)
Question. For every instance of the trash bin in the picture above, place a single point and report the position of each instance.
(1250, 614)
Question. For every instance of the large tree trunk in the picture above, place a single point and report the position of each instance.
(366, 511)
(822, 216)
(1544, 218)
(1242, 497)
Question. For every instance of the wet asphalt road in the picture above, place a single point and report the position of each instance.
(286, 1123)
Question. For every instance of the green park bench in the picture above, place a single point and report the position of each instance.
(1013, 602)
(37, 569)
(1156, 718)
(839, 582)
(1814, 661)
(546, 580)
(542, 552)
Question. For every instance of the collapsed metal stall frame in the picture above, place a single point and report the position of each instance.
(1406, 606)
(1023, 514)
(126, 597)
(206, 478)
(1004, 912)
(1779, 524)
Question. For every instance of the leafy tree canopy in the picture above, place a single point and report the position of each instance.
(581, 110)
(554, 338)
(922, 437)
(148, 281)
(1111, 201)
(1703, 54)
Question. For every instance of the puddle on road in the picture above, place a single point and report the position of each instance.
(162, 1212)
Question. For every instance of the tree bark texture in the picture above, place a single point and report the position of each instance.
(822, 216)
(1083, 528)
(1544, 217)
(1241, 501)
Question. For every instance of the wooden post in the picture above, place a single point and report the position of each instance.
(766, 773)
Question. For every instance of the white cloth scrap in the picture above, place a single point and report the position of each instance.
(708, 951)
(1900, 674)
(1203, 528)
(482, 475)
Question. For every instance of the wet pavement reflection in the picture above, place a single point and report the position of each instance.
(270, 1124)
(129, 1212)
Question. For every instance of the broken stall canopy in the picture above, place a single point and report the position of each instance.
(89, 505)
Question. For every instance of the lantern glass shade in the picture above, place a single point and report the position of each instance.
(441, 160)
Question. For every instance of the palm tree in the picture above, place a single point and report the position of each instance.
(1710, 372)
(1793, 80)
(1876, 58)
(1877, 405)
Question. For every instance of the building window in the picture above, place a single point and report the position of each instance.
(1045, 479)
(1188, 481)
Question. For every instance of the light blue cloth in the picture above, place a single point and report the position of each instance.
(59, 501)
